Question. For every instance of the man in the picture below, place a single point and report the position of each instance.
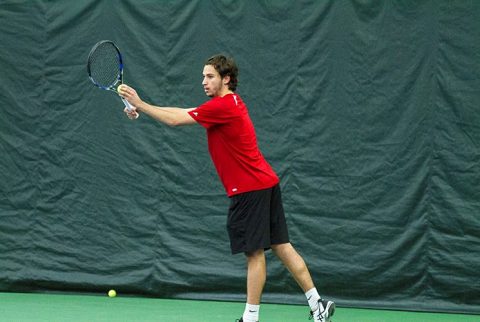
(256, 221)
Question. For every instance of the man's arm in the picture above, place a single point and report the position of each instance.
(172, 116)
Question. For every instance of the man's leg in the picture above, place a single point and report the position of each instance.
(256, 276)
(295, 264)
(321, 310)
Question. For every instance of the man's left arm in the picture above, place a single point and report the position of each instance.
(172, 116)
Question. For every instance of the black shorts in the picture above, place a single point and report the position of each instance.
(256, 220)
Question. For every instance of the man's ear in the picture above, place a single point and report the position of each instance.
(226, 80)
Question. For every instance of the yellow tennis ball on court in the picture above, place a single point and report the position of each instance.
(112, 293)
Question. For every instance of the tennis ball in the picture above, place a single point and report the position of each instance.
(118, 88)
(112, 293)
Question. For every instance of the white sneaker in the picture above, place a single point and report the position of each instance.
(325, 311)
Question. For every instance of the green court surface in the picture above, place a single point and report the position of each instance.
(19, 307)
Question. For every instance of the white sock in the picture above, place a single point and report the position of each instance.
(312, 298)
(251, 313)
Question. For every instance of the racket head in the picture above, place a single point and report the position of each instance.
(105, 65)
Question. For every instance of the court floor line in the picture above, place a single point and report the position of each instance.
(34, 307)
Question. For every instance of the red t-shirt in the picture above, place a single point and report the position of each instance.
(232, 144)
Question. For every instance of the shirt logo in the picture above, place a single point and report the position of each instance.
(195, 113)
(234, 190)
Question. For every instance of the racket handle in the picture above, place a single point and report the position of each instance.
(129, 107)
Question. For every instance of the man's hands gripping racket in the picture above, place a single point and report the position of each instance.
(105, 69)
(131, 94)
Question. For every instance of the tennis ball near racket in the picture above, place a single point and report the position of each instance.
(118, 88)
(112, 293)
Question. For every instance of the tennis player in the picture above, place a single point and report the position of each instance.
(256, 220)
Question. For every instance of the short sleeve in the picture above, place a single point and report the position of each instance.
(219, 110)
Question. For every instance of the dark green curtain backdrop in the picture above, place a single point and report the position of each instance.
(368, 110)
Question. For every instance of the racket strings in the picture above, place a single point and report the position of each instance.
(105, 65)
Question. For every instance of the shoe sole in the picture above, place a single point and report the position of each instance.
(331, 310)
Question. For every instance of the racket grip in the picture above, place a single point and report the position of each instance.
(129, 107)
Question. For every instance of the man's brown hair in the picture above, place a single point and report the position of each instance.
(225, 66)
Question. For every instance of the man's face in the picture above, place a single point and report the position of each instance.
(212, 83)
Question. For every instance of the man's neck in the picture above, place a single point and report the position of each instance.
(225, 92)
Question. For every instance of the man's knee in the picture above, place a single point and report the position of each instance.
(280, 249)
(259, 253)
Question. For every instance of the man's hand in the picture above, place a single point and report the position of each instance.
(132, 97)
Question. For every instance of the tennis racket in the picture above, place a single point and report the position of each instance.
(105, 68)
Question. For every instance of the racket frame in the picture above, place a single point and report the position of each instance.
(119, 81)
